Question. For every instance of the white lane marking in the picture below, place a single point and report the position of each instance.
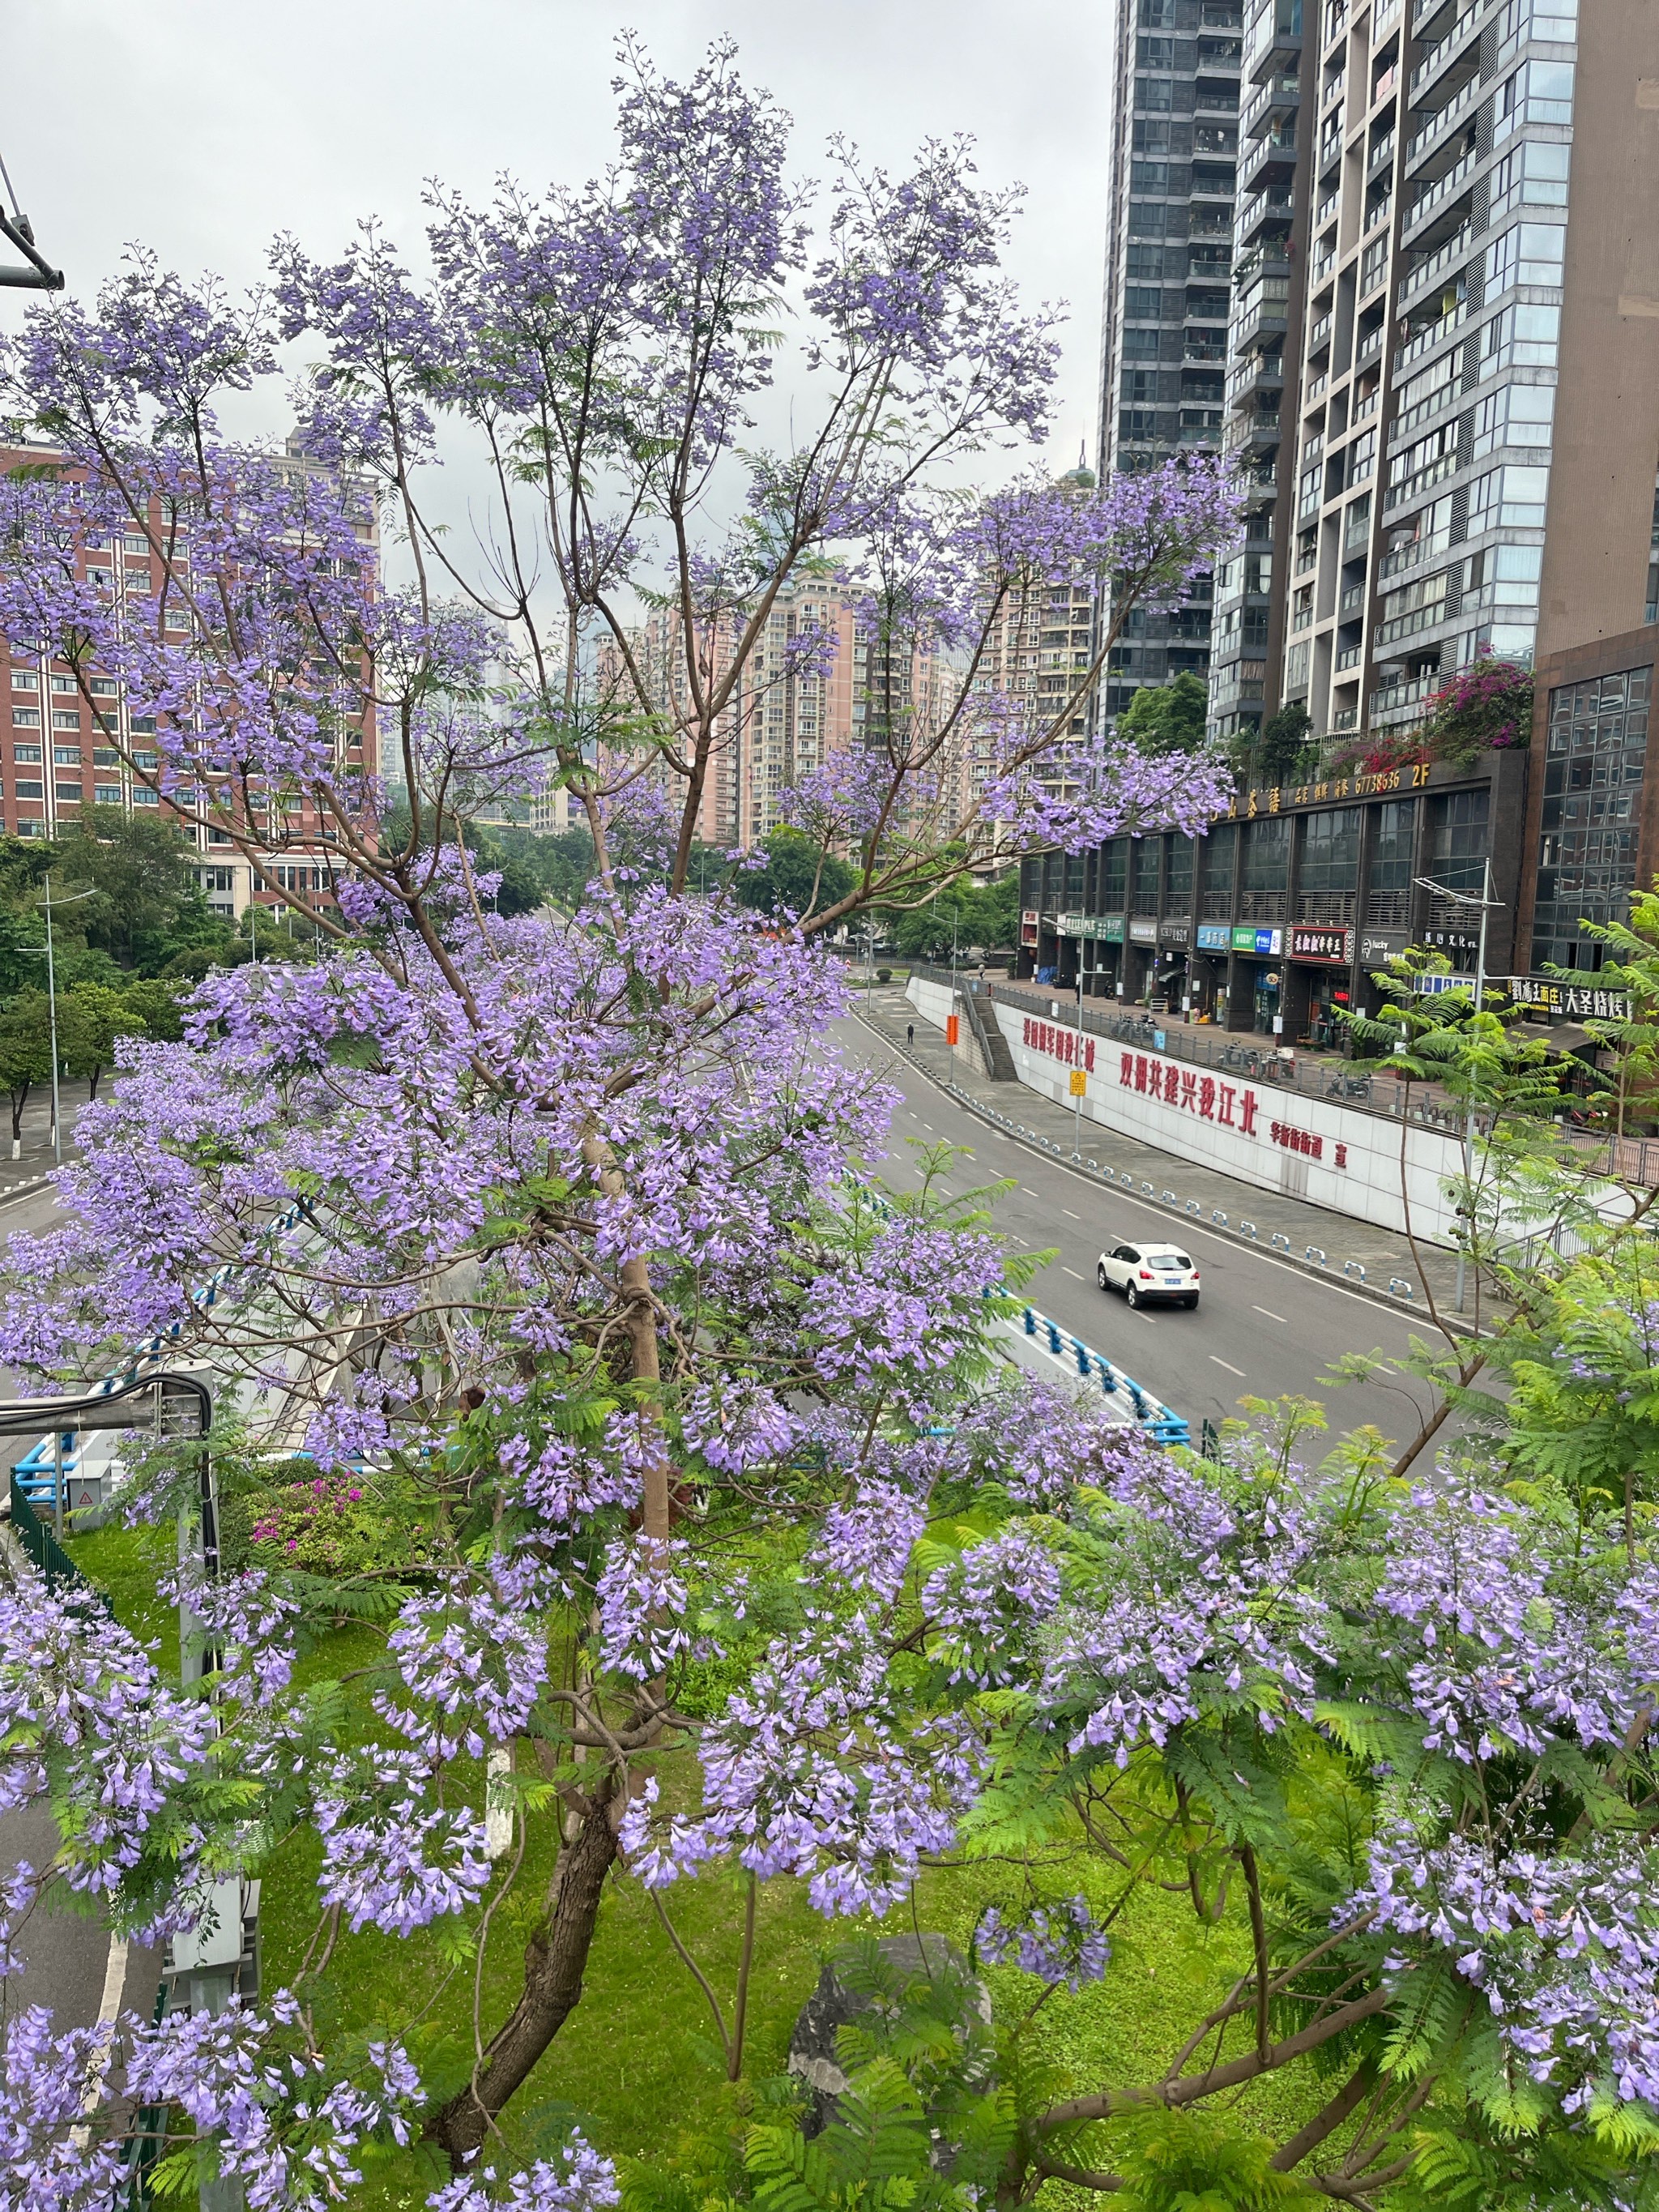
(928, 1127)
(1028, 1190)
(103, 2042)
(1271, 1315)
(1071, 1271)
(1070, 1216)
(1231, 1369)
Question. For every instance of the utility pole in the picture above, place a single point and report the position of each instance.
(49, 903)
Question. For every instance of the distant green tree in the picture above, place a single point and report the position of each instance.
(1167, 718)
(25, 1051)
(90, 1019)
(149, 904)
(1283, 740)
(797, 877)
(153, 1002)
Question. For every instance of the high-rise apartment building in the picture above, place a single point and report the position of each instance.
(1463, 460)
(1169, 252)
(70, 741)
(793, 709)
(1263, 346)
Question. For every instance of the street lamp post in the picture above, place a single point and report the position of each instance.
(1485, 903)
(49, 903)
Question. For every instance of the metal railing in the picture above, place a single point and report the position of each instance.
(45, 1550)
(1160, 1420)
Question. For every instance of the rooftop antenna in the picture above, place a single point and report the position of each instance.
(39, 275)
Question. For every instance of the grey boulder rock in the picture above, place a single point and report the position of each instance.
(832, 2006)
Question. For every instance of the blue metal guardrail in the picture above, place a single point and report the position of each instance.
(1158, 1419)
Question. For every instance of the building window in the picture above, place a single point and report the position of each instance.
(26, 718)
(1330, 851)
(1459, 842)
(1595, 749)
(25, 679)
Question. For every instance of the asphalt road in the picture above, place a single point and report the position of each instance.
(1261, 1329)
(69, 1962)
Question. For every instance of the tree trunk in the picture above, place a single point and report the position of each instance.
(555, 1961)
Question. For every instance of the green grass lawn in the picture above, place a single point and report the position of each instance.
(638, 2066)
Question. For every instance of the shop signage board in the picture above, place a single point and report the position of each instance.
(1331, 947)
(1214, 937)
(1111, 928)
(1143, 929)
(1072, 925)
(1378, 946)
(1029, 924)
(1549, 994)
(1265, 944)
(1177, 935)
(1431, 986)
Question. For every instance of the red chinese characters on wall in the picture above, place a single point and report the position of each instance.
(1307, 1143)
(1230, 1105)
(1060, 1043)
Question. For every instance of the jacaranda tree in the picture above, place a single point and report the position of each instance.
(549, 1238)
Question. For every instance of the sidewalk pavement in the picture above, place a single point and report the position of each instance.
(1290, 1226)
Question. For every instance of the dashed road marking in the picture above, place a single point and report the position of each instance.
(1228, 1364)
(1271, 1315)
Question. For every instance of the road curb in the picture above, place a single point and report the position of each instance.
(1169, 1201)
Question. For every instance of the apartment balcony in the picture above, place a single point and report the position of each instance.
(1262, 314)
(1436, 194)
(1275, 37)
(1258, 432)
(1344, 719)
(1320, 334)
(1445, 51)
(1215, 100)
(1349, 657)
(1427, 339)
(1365, 405)
(1380, 153)
(1268, 162)
(1396, 701)
(1327, 208)
(1336, 20)
(1416, 280)
(1261, 210)
(1280, 95)
(1353, 600)
(1441, 121)
(1368, 344)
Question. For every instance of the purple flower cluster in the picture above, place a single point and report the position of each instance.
(475, 1667)
(988, 1609)
(578, 2180)
(288, 2126)
(392, 1858)
(643, 1597)
(1564, 1945)
(87, 1716)
(816, 1769)
(1058, 1942)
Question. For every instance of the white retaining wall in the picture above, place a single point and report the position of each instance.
(933, 1001)
(1278, 1140)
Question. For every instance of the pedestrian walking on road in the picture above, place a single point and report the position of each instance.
(909, 1032)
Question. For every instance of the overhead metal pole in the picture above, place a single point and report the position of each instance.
(1486, 902)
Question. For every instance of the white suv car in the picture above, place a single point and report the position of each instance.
(1147, 1274)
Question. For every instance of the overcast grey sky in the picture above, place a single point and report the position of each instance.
(204, 126)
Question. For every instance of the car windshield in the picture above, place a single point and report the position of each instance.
(1168, 1260)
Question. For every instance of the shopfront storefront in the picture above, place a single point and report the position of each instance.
(1260, 962)
(1208, 967)
(1321, 966)
(1140, 959)
(1172, 978)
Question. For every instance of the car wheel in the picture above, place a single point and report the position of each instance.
(1131, 1294)
(1191, 1304)
(1100, 1276)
